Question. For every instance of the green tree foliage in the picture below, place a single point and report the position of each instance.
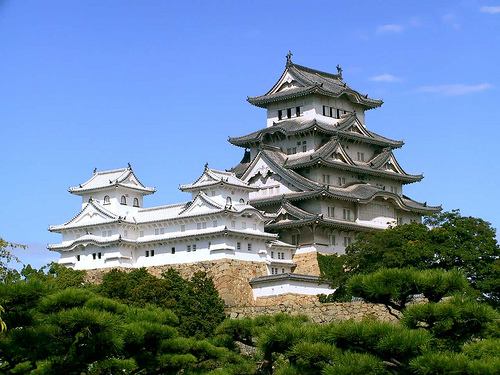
(396, 287)
(196, 302)
(454, 322)
(76, 331)
(450, 241)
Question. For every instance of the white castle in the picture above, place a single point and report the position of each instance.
(309, 181)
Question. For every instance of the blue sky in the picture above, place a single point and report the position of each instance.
(90, 84)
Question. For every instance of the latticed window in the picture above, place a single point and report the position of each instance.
(123, 199)
(136, 202)
(106, 199)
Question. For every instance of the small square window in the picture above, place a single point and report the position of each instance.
(238, 245)
(172, 250)
(152, 253)
(94, 255)
(99, 255)
(147, 253)
(194, 247)
(188, 248)
(249, 247)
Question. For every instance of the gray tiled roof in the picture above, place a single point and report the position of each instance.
(300, 125)
(314, 82)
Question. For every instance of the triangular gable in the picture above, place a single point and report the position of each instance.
(91, 214)
(289, 212)
(263, 166)
(333, 151)
(386, 161)
(353, 125)
(391, 165)
(287, 81)
(201, 204)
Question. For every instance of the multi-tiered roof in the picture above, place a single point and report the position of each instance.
(268, 154)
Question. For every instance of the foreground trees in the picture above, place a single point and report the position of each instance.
(451, 242)
(74, 330)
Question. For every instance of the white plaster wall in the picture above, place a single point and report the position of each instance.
(290, 286)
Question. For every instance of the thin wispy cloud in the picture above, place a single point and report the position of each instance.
(386, 78)
(457, 89)
(390, 29)
(491, 10)
(451, 20)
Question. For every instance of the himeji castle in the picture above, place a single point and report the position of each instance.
(309, 182)
(323, 174)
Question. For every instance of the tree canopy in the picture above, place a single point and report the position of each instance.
(446, 241)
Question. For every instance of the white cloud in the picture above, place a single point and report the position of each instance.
(452, 20)
(457, 89)
(491, 10)
(386, 78)
(392, 28)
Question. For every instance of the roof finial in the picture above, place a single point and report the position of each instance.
(289, 58)
(130, 167)
(206, 165)
(95, 170)
(339, 72)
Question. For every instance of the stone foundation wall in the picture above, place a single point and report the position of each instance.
(230, 277)
(307, 263)
(318, 312)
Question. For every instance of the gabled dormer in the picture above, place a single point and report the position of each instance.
(310, 93)
(119, 190)
(220, 186)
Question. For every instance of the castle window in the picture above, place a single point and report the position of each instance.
(341, 181)
(394, 189)
(249, 247)
(280, 114)
(78, 258)
(141, 233)
(183, 228)
(213, 193)
(254, 226)
(242, 201)
(194, 247)
(188, 248)
(136, 202)
(289, 113)
(147, 253)
(331, 240)
(304, 146)
(99, 255)
(297, 111)
(272, 254)
(279, 255)
(346, 214)
(123, 200)
(282, 270)
(106, 199)
(347, 241)
(331, 211)
(295, 239)
(238, 245)
(172, 250)
(201, 225)
(326, 179)
(361, 156)
(94, 255)
(214, 223)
